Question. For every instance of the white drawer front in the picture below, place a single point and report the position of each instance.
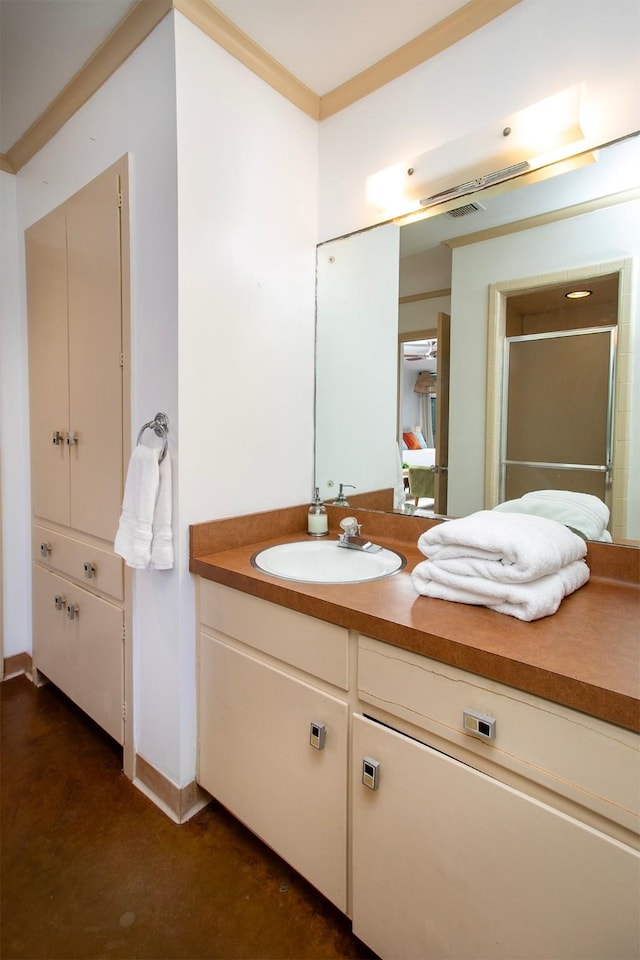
(317, 647)
(69, 556)
(586, 759)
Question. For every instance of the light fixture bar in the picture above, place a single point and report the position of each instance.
(471, 186)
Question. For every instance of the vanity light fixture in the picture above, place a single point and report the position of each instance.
(578, 294)
(528, 140)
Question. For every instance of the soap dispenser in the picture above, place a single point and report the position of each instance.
(317, 522)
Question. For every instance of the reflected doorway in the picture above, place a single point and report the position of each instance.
(423, 415)
(529, 315)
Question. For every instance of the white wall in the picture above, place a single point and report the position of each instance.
(134, 113)
(536, 49)
(222, 324)
(588, 240)
(247, 174)
(247, 226)
(14, 434)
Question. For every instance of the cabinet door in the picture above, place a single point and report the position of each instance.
(46, 266)
(448, 863)
(95, 347)
(83, 656)
(255, 757)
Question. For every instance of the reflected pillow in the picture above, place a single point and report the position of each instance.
(412, 441)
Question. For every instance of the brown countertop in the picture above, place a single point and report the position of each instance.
(586, 656)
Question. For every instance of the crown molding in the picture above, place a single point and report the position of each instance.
(111, 54)
(146, 14)
(211, 21)
(462, 23)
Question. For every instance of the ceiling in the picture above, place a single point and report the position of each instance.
(323, 43)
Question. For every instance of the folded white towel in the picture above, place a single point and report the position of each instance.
(135, 528)
(582, 512)
(526, 601)
(162, 543)
(523, 547)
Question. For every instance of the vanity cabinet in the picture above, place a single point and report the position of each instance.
(273, 737)
(524, 843)
(76, 290)
(449, 862)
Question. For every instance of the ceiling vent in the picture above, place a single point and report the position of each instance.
(465, 210)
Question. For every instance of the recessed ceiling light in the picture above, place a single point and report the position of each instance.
(578, 294)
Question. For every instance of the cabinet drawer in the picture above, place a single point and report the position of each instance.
(82, 655)
(69, 556)
(586, 759)
(317, 647)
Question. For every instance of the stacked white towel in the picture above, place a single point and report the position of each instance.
(517, 564)
(144, 538)
(582, 512)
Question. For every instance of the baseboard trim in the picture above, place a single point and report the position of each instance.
(16, 665)
(179, 803)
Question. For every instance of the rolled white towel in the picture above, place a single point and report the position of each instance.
(526, 601)
(530, 547)
(582, 512)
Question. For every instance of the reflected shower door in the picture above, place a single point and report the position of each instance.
(558, 413)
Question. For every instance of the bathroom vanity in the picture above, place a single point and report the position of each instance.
(460, 783)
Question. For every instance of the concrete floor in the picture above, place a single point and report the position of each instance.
(92, 869)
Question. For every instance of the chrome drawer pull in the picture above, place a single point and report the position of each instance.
(45, 549)
(59, 601)
(317, 735)
(89, 570)
(370, 773)
(479, 725)
(72, 611)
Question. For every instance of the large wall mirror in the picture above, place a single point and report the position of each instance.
(421, 322)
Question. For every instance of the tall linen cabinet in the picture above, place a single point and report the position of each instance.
(77, 306)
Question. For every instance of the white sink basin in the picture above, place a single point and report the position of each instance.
(313, 561)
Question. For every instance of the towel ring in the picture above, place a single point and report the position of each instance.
(160, 426)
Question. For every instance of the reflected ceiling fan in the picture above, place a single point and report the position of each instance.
(421, 350)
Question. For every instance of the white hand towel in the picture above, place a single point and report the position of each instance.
(526, 601)
(582, 512)
(135, 528)
(162, 543)
(531, 546)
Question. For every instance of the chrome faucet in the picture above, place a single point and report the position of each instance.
(351, 538)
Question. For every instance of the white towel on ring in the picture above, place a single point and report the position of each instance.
(522, 547)
(528, 601)
(162, 541)
(135, 527)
